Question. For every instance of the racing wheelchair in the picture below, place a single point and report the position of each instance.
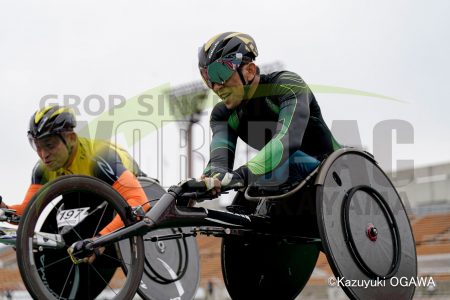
(347, 208)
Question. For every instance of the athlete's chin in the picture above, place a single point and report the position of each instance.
(52, 166)
(231, 103)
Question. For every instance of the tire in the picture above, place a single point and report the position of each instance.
(364, 227)
(49, 273)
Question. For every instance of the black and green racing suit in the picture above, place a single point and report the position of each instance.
(283, 121)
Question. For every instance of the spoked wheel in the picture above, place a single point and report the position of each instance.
(65, 211)
(266, 269)
(171, 268)
(365, 231)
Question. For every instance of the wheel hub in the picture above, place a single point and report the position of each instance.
(372, 232)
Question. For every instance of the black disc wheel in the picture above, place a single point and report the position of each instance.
(69, 209)
(364, 228)
(266, 269)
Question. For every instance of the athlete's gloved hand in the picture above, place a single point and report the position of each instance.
(218, 181)
(213, 184)
(8, 215)
(79, 253)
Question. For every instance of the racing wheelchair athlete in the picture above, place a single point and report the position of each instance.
(352, 210)
(342, 203)
(78, 215)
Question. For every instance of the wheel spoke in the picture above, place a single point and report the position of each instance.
(115, 259)
(68, 210)
(67, 280)
(100, 219)
(54, 263)
(106, 282)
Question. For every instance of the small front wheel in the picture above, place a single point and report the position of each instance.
(66, 210)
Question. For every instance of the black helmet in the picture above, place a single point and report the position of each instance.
(227, 45)
(50, 120)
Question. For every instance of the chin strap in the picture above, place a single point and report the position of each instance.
(64, 141)
(246, 84)
(69, 149)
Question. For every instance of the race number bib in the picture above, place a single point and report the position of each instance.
(71, 217)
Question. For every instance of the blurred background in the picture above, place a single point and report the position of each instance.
(379, 71)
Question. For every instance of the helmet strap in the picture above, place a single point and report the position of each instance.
(69, 149)
(64, 141)
(241, 76)
(246, 84)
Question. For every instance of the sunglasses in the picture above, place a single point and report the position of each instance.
(221, 70)
(47, 143)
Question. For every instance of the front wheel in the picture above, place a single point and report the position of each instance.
(64, 211)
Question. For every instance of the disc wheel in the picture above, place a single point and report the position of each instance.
(266, 269)
(171, 267)
(69, 209)
(364, 228)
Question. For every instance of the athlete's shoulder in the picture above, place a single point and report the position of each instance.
(107, 164)
(92, 145)
(39, 175)
(104, 150)
(285, 77)
(96, 147)
(283, 83)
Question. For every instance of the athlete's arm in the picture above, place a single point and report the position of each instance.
(109, 168)
(20, 208)
(223, 143)
(37, 181)
(294, 99)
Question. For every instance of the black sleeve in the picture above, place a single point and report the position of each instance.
(223, 143)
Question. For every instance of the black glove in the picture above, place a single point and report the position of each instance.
(79, 253)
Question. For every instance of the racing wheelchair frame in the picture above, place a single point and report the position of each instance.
(347, 208)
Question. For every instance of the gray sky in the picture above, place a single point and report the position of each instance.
(400, 50)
